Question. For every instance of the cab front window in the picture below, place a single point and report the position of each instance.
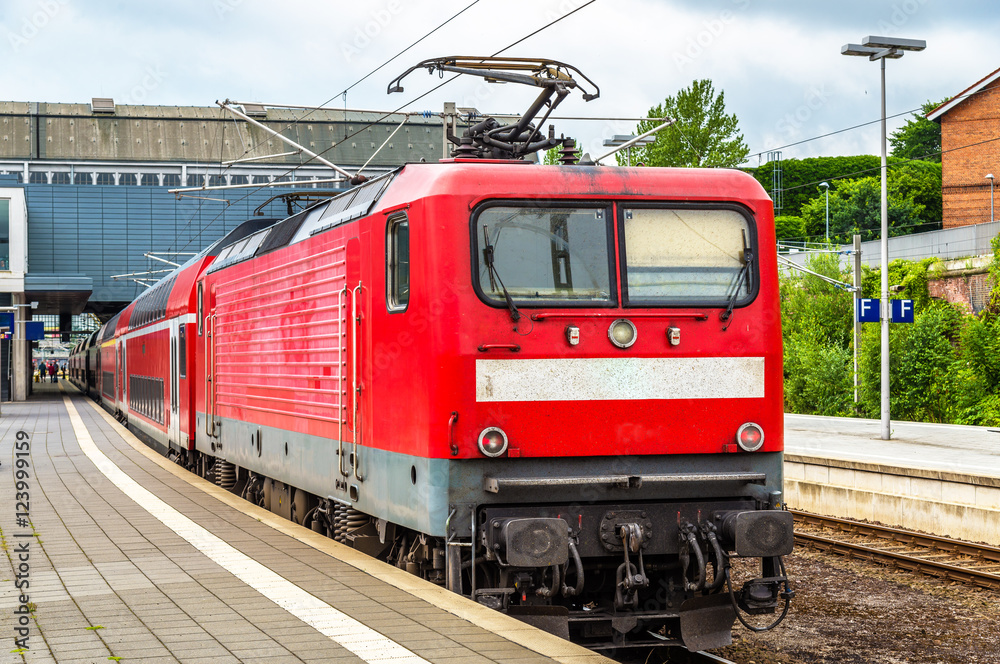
(687, 256)
(543, 255)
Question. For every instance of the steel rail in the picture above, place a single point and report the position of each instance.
(904, 536)
(968, 574)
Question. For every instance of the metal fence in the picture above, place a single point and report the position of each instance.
(947, 244)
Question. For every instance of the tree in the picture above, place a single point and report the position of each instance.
(919, 181)
(919, 138)
(914, 191)
(856, 208)
(789, 228)
(799, 177)
(702, 134)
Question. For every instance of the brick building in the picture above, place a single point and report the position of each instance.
(970, 143)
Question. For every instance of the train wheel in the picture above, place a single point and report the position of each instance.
(301, 504)
(268, 488)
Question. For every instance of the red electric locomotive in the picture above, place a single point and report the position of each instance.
(554, 389)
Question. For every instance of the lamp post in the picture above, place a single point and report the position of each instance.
(826, 189)
(989, 176)
(881, 48)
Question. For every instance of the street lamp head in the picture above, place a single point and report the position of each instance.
(895, 43)
(825, 185)
(989, 176)
(620, 139)
(858, 49)
(878, 48)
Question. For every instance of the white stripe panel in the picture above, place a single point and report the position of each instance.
(162, 325)
(620, 379)
(353, 635)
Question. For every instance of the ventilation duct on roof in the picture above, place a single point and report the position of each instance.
(255, 110)
(102, 105)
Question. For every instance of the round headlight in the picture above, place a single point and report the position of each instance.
(492, 441)
(750, 437)
(622, 333)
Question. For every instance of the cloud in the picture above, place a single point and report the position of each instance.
(777, 61)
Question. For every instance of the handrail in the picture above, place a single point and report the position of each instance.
(357, 386)
(514, 348)
(341, 407)
(620, 314)
(495, 484)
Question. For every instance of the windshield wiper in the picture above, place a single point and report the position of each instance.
(515, 315)
(744, 275)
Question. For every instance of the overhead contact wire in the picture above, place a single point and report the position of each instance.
(390, 113)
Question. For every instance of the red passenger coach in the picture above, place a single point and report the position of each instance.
(554, 389)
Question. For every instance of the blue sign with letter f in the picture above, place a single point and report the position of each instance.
(866, 310)
(902, 311)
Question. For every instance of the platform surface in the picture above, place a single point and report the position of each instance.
(130, 558)
(939, 447)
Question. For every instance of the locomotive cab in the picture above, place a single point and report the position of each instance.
(619, 426)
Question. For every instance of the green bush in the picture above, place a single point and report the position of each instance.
(921, 359)
(818, 376)
(788, 227)
(945, 367)
(976, 376)
(912, 276)
(809, 303)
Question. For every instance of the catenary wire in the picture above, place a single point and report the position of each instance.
(384, 116)
(373, 71)
(863, 124)
(888, 166)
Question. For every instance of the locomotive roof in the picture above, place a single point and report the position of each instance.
(520, 180)
(487, 180)
(352, 204)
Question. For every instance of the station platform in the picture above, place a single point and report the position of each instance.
(939, 447)
(937, 478)
(113, 553)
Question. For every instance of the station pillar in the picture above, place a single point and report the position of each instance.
(65, 326)
(21, 368)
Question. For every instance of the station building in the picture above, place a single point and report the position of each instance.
(86, 212)
(970, 152)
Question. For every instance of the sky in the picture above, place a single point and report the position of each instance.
(777, 62)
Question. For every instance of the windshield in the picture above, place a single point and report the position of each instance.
(543, 255)
(687, 256)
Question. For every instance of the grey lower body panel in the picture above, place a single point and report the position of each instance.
(407, 490)
(436, 496)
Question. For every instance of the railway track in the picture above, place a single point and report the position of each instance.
(675, 656)
(965, 562)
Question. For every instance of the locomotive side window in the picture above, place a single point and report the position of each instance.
(543, 255)
(688, 256)
(398, 264)
(201, 301)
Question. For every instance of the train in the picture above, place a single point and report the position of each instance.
(556, 390)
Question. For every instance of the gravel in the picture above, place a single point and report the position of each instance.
(850, 611)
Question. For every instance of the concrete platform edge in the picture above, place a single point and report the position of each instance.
(832, 462)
